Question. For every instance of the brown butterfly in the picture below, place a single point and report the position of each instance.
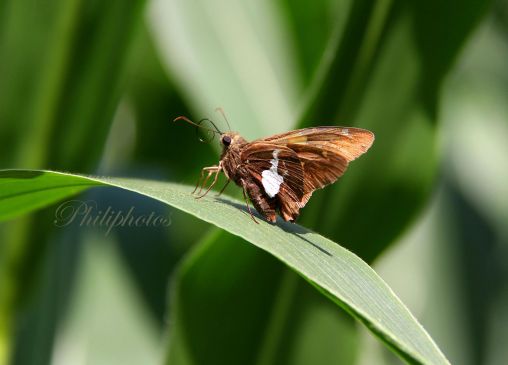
(279, 173)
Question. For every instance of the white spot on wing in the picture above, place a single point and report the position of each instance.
(345, 132)
(271, 179)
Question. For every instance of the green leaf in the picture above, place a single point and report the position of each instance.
(239, 63)
(311, 29)
(385, 74)
(337, 272)
(15, 199)
(62, 75)
(281, 317)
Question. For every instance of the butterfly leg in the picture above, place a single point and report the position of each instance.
(212, 170)
(248, 206)
(199, 180)
(205, 180)
(223, 188)
(202, 181)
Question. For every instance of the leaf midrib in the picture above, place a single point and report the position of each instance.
(10, 196)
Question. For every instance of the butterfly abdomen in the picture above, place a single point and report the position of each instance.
(263, 204)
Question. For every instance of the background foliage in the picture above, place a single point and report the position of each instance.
(90, 87)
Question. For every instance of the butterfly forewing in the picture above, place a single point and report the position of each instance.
(290, 166)
(324, 152)
(320, 166)
(277, 168)
(350, 143)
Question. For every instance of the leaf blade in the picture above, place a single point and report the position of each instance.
(336, 271)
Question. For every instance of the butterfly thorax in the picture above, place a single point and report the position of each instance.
(232, 146)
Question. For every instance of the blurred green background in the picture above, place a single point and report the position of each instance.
(91, 86)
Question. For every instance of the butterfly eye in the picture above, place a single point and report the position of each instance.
(226, 140)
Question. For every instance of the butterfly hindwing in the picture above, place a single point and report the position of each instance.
(279, 172)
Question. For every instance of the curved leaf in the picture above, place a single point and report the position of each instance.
(62, 75)
(385, 75)
(257, 311)
(337, 272)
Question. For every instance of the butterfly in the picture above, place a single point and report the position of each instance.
(279, 173)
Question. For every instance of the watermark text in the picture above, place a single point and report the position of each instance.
(88, 214)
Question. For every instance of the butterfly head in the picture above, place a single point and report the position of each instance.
(228, 139)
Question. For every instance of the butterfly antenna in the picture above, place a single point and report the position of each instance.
(198, 125)
(212, 123)
(220, 110)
